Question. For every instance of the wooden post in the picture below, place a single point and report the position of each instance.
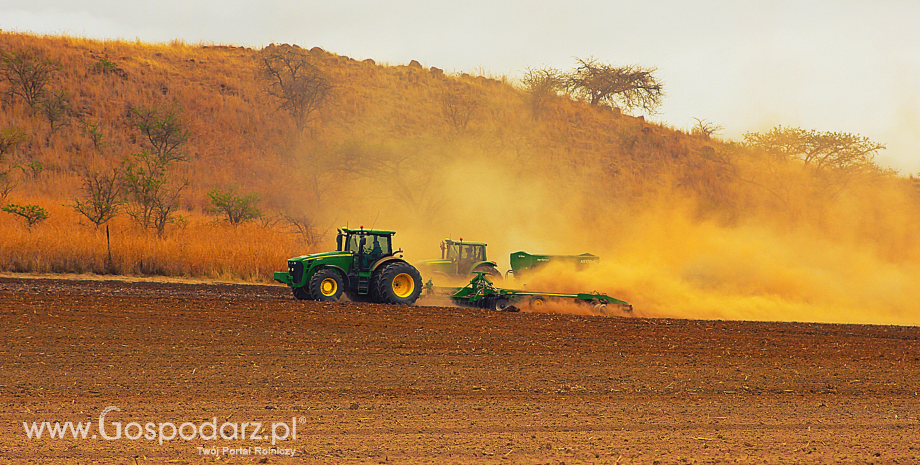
(108, 242)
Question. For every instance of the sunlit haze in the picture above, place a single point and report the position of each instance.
(841, 66)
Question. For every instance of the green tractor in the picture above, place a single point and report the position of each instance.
(364, 267)
(461, 260)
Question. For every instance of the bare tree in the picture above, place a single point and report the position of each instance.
(305, 226)
(459, 104)
(628, 87)
(292, 77)
(7, 184)
(28, 73)
(542, 85)
(705, 128)
(409, 176)
(102, 199)
(9, 140)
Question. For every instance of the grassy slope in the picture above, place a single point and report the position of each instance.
(410, 164)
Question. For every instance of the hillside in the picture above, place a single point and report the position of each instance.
(686, 225)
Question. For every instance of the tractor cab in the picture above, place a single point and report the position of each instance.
(464, 255)
(366, 245)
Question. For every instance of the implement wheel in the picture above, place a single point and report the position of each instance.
(326, 285)
(398, 283)
(537, 302)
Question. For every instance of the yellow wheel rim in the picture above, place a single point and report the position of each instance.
(403, 285)
(538, 302)
(328, 287)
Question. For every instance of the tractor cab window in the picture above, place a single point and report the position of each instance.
(376, 246)
(472, 253)
(353, 243)
(452, 253)
(477, 253)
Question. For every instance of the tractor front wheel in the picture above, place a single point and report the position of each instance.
(326, 285)
(301, 293)
(398, 283)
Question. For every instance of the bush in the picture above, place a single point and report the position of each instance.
(236, 208)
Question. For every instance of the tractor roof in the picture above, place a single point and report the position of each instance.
(376, 232)
(451, 241)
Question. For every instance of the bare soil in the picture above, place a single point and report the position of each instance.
(369, 383)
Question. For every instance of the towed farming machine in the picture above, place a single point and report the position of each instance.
(523, 262)
(481, 293)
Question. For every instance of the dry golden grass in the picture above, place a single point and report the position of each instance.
(200, 247)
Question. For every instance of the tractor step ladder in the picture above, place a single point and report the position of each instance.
(364, 279)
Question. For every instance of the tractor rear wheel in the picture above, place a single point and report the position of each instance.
(398, 283)
(326, 285)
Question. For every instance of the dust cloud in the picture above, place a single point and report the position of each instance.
(853, 260)
(675, 267)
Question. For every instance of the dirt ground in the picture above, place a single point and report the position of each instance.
(365, 383)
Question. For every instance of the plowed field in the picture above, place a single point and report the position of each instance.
(365, 383)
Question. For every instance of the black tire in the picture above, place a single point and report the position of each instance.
(494, 275)
(398, 283)
(326, 285)
(301, 294)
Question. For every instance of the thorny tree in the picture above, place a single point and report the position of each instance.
(293, 77)
(459, 104)
(541, 86)
(627, 87)
(830, 159)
